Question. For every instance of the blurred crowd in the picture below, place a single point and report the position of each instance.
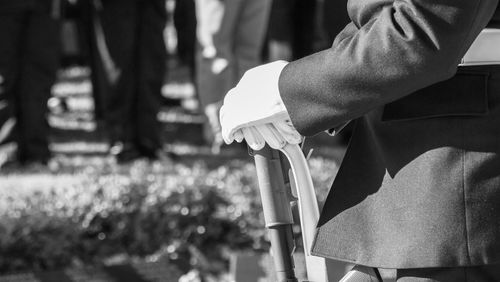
(124, 46)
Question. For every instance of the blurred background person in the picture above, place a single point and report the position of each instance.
(96, 52)
(128, 63)
(298, 28)
(292, 31)
(231, 36)
(29, 59)
(185, 24)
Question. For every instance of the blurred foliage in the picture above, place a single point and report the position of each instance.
(193, 214)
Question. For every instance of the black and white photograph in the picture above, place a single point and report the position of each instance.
(249, 140)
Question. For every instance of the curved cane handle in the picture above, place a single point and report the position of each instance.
(308, 210)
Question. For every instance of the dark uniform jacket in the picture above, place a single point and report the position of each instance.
(419, 185)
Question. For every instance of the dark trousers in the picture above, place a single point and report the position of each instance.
(185, 24)
(486, 273)
(293, 22)
(86, 15)
(29, 58)
(134, 37)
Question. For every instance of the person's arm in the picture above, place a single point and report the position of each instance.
(389, 50)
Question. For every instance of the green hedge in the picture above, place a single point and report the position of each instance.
(193, 214)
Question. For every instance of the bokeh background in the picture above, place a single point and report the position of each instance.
(186, 216)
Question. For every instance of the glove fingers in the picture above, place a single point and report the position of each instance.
(228, 138)
(253, 138)
(238, 136)
(271, 136)
(247, 134)
(285, 126)
(260, 141)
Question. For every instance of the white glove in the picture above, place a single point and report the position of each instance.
(254, 111)
(276, 134)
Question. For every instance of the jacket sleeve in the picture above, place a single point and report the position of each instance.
(389, 50)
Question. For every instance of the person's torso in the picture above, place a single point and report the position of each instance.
(419, 185)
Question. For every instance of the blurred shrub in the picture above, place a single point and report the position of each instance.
(192, 215)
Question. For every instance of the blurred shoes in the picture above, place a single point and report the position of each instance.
(40, 165)
(129, 152)
(10, 165)
(125, 152)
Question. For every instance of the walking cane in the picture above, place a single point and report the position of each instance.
(276, 198)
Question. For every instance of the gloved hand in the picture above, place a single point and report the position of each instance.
(254, 111)
(276, 135)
